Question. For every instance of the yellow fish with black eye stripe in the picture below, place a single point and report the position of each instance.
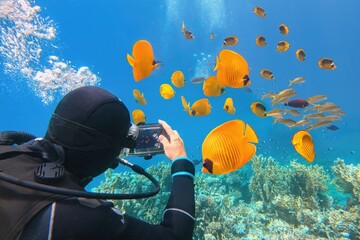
(230, 41)
(284, 29)
(304, 145)
(138, 117)
(228, 147)
(258, 109)
(186, 105)
(201, 107)
(139, 97)
(166, 91)
(260, 41)
(229, 106)
(143, 61)
(178, 79)
(232, 69)
(212, 87)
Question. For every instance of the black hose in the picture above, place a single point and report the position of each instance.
(15, 137)
(77, 193)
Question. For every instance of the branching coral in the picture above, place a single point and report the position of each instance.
(347, 178)
(287, 202)
(310, 183)
(268, 181)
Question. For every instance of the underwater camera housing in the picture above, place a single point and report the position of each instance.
(147, 143)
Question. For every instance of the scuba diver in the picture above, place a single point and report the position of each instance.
(42, 181)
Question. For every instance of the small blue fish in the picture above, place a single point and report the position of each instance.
(332, 127)
(198, 80)
(197, 161)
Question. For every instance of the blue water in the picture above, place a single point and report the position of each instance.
(98, 35)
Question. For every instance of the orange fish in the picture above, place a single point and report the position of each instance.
(178, 79)
(304, 145)
(139, 97)
(259, 11)
(232, 69)
(166, 91)
(138, 117)
(283, 46)
(228, 147)
(212, 87)
(143, 60)
(258, 109)
(260, 41)
(283, 29)
(187, 33)
(229, 106)
(186, 105)
(300, 55)
(267, 74)
(230, 41)
(201, 107)
(326, 63)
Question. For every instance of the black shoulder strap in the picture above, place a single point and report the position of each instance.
(11, 151)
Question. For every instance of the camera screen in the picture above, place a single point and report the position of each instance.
(148, 140)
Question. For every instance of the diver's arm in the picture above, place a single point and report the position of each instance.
(178, 218)
(179, 215)
(180, 210)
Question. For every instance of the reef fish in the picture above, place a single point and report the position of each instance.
(229, 106)
(139, 97)
(275, 113)
(302, 122)
(198, 80)
(298, 80)
(232, 69)
(166, 91)
(283, 29)
(282, 46)
(187, 33)
(228, 147)
(293, 112)
(258, 109)
(138, 117)
(267, 74)
(313, 115)
(326, 63)
(316, 98)
(230, 41)
(304, 145)
(259, 11)
(319, 124)
(297, 103)
(286, 121)
(212, 36)
(300, 54)
(201, 107)
(260, 41)
(178, 79)
(143, 60)
(286, 93)
(186, 105)
(332, 127)
(212, 87)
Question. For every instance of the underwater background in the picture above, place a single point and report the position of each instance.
(49, 47)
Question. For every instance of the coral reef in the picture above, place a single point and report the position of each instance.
(266, 201)
(347, 179)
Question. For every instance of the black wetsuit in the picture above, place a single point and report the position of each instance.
(78, 218)
(74, 220)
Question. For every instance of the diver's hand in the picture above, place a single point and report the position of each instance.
(175, 147)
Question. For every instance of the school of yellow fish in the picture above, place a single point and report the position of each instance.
(223, 151)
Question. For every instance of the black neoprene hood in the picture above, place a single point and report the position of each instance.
(90, 118)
